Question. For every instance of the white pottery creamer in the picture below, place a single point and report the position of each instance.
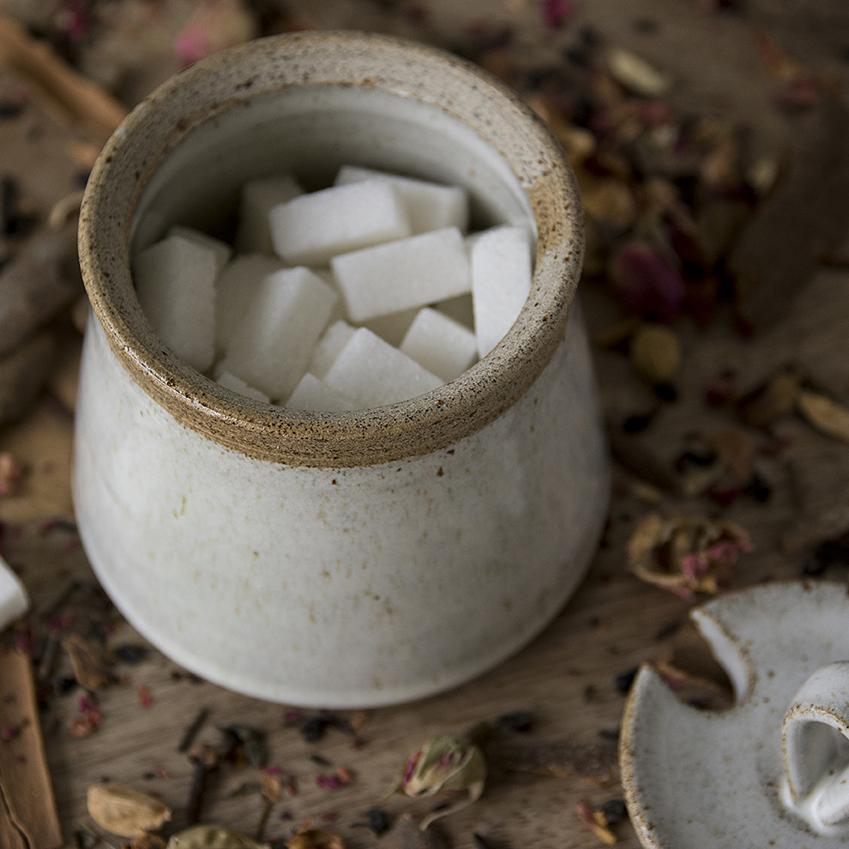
(351, 559)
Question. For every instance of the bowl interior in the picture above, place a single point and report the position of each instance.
(310, 132)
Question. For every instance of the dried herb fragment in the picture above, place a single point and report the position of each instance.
(444, 765)
(131, 654)
(88, 662)
(596, 821)
(686, 555)
(624, 680)
(826, 415)
(315, 838)
(212, 837)
(772, 401)
(247, 740)
(11, 475)
(193, 729)
(124, 811)
(204, 760)
(378, 820)
(517, 721)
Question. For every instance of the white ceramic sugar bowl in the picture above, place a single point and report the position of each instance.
(349, 559)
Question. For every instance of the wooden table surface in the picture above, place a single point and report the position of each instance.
(566, 676)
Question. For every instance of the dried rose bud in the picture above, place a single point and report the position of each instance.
(444, 764)
(646, 282)
(686, 555)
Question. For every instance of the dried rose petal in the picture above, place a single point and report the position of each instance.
(315, 838)
(646, 283)
(686, 555)
(557, 12)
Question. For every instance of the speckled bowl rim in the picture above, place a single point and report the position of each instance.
(421, 425)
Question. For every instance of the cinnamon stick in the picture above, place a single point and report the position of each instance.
(77, 100)
(28, 818)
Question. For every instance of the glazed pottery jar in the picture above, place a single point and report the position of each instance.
(345, 559)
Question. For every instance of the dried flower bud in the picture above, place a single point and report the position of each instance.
(656, 353)
(772, 401)
(646, 282)
(686, 555)
(315, 838)
(212, 837)
(11, 474)
(444, 764)
(125, 811)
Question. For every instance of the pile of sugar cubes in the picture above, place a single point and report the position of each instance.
(362, 294)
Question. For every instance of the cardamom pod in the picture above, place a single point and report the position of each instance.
(124, 811)
(656, 353)
(825, 415)
(212, 837)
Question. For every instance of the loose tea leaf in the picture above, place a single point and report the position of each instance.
(124, 811)
(212, 837)
(686, 555)
(825, 415)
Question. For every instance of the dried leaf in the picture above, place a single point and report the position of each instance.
(88, 662)
(124, 811)
(656, 353)
(315, 838)
(825, 415)
(686, 555)
(635, 74)
(772, 401)
(212, 837)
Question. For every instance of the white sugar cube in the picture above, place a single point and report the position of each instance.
(258, 198)
(391, 328)
(222, 249)
(372, 373)
(273, 343)
(175, 281)
(332, 341)
(408, 273)
(501, 281)
(14, 602)
(313, 393)
(236, 286)
(440, 344)
(313, 228)
(230, 381)
(429, 206)
(460, 309)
